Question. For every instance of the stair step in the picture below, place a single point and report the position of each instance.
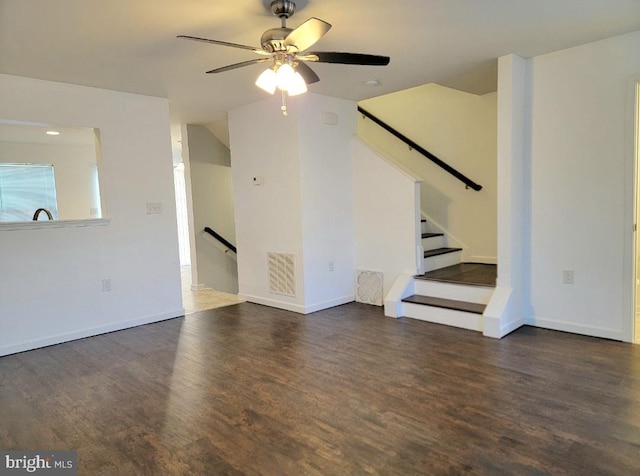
(456, 291)
(475, 274)
(440, 251)
(464, 306)
(431, 235)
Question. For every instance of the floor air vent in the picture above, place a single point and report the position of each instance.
(369, 287)
(282, 273)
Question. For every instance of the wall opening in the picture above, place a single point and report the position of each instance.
(182, 215)
(636, 326)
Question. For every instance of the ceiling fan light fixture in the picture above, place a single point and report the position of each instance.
(297, 86)
(268, 81)
(287, 49)
(286, 76)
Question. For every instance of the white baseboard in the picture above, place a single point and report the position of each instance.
(328, 304)
(482, 259)
(509, 327)
(287, 306)
(299, 308)
(90, 332)
(593, 331)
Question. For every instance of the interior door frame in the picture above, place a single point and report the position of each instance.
(632, 208)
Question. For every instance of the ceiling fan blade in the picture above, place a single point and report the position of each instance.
(238, 65)
(346, 58)
(307, 74)
(224, 43)
(307, 34)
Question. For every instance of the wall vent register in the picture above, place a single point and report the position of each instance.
(282, 274)
(369, 287)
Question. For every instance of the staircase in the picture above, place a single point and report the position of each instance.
(449, 292)
(436, 252)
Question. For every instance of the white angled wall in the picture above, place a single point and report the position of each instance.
(51, 278)
(326, 186)
(303, 205)
(510, 303)
(264, 144)
(212, 197)
(460, 129)
(387, 215)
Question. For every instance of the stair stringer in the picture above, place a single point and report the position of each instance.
(499, 315)
(403, 286)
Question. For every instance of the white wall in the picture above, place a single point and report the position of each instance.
(74, 167)
(212, 198)
(460, 129)
(51, 278)
(269, 216)
(510, 306)
(326, 185)
(387, 215)
(304, 205)
(582, 186)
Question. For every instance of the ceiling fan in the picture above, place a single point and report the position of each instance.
(286, 49)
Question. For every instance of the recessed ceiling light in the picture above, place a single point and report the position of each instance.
(53, 133)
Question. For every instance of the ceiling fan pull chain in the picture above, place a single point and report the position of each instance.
(283, 108)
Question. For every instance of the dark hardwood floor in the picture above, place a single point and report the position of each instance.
(248, 389)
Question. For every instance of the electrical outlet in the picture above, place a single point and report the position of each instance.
(567, 276)
(331, 267)
(154, 208)
(106, 284)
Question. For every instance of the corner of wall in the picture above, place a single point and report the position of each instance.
(498, 320)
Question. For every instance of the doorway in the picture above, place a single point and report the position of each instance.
(636, 320)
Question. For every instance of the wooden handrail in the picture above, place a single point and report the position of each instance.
(220, 239)
(463, 178)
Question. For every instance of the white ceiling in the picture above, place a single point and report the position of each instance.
(14, 131)
(131, 45)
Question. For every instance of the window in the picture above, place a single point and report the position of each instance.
(24, 188)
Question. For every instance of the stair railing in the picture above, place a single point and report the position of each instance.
(220, 239)
(412, 145)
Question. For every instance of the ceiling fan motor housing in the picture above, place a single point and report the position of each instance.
(273, 39)
(283, 8)
(285, 45)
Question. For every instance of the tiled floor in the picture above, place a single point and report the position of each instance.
(203, 299)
